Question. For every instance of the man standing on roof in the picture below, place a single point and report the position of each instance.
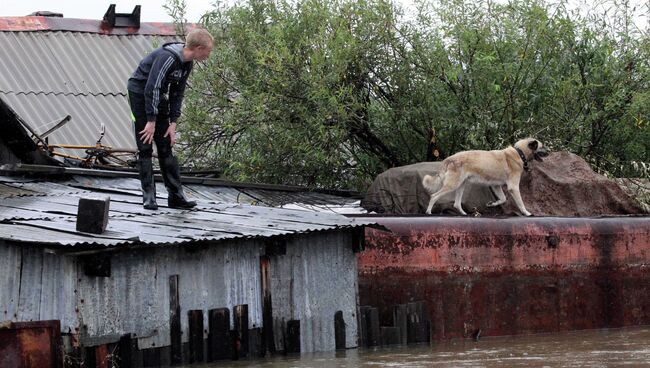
(155, 95)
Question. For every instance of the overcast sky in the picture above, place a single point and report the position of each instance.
(153, 11)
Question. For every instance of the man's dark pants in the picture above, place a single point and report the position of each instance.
(168, 164)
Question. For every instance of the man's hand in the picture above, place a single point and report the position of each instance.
(146, 134)
(171, 132)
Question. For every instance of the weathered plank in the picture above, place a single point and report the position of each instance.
(268, 341)
(31, 276)
(372, 320)
(240, 315)
(362, 322)
(339, 330)
(10, 277)
(127, 353)
(400, 320)
(219, 343)
(175, 321)
(255, 343)
(292, 337)
(418, 325)
(310, 283)
(195, 322)
(389, 335)
(151, 357)
(101, 356)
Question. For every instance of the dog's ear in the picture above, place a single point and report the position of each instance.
(533, 145)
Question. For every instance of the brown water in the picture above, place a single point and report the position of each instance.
(595, 348)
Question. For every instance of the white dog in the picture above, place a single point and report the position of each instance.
(493, 168)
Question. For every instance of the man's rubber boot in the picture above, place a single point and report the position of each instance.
(171, 174)
(145, 169)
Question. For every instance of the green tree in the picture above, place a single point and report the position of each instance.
(330, 94)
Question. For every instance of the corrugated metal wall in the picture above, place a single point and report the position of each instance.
(35, 285)
(135, 299)
(316, 278)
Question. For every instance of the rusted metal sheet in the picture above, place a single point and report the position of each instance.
(510, 275)
(31, 344)
(40, 23)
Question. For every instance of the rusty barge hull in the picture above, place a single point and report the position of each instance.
(508, 276)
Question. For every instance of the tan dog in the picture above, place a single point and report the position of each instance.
(493, 168)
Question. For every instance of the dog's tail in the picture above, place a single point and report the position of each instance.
(432, 183)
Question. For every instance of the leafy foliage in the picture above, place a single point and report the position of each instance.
(331, 93)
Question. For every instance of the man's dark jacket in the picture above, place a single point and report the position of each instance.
(160, 74)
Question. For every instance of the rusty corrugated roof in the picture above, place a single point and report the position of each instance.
(42, 23)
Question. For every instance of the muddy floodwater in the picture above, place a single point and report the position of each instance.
(628, 347)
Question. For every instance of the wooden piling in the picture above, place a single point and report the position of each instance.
(255, 343)
(362, 323)
(418, 325)
(268, 339)
(372, 320)
(240, 315)
(219, 343)
(389, 335)
(176, 352)
(339, 331)
(127, 352)
(400, 320)
(292, 339)
(151, 358)
(195, 322)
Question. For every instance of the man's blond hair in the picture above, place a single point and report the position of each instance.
(198, 37)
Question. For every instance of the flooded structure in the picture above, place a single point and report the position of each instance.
(258, 278)
(236, 277)
(238, 273)
(581, 262)
(507, 276)
(256, 268)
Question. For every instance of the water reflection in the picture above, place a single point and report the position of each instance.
(595, 348)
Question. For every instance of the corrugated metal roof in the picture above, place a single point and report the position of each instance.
(305, 200)
(71, 62)
(47, 75)
(87, 112)
(46, 211)
(279, 198)
(30, 234)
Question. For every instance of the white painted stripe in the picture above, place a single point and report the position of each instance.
(157, 85)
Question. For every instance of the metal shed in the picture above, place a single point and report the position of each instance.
(284, 265)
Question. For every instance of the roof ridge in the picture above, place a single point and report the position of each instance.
(31, 23)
